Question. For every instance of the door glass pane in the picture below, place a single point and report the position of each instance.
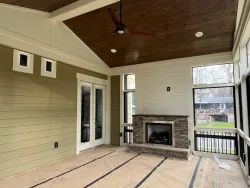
(85, 116)
(98, 113)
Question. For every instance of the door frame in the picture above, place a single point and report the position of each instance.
(102, 140)
(81, 78)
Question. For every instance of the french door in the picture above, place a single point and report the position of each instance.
(91, 120)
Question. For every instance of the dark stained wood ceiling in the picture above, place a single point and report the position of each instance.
(43, 5)
(174, 23)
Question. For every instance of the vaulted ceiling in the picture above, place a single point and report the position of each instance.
(174, 23)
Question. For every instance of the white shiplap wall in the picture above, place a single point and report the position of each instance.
(152, 80)
(151, 91)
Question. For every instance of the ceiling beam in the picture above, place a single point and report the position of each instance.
(79, 7)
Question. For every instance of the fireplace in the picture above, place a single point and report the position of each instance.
(163, 135)
(159, 133)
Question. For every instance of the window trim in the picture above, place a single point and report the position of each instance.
(234, 100)
(216, 85)
(212, 85)
(44, 72)
(123, 98)
(248, 60)
(16, 62)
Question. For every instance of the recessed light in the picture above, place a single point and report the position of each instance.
(120, 31)
(199, 34)
(113, 50)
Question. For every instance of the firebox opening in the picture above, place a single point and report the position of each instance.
(159, 133)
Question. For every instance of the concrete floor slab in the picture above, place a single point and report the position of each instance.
(120, 168)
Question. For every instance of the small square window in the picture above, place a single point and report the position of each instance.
(23, 60)
(48, 66)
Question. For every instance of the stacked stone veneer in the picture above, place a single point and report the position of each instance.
(180, 128)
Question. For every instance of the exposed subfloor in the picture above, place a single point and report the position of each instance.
(115, 167)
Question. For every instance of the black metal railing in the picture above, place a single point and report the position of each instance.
(242, 150)
(216, 142)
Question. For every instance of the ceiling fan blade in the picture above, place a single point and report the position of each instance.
(114, 18)
(136, 32)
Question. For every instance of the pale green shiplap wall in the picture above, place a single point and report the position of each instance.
(115, 110)
(35, 112)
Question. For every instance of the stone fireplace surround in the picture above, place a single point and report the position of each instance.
(180, 148)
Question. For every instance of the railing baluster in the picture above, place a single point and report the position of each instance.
(200, 142)
(226, 143)
(212, 141)
(222, 143)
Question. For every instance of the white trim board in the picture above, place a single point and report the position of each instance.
(32, 31)
(79, 7)
(91, 79)
(17, 41)
(24, 9)
(221, 156)
(211, 59)
(101, 62)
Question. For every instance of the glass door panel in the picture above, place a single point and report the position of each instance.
(85, 114)
(98, 113)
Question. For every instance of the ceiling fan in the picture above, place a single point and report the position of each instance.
(121, 28)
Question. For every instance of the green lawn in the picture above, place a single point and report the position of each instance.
(217, 125)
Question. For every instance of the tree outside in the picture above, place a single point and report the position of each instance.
(214, 107)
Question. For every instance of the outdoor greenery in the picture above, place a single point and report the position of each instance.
(217, 125)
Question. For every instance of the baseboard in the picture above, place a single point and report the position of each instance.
(221, 156)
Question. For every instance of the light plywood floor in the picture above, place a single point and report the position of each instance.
(114, 167)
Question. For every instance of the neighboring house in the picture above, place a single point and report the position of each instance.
(214, 109)
(221, 103)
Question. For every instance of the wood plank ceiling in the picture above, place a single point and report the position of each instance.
(174, 23)
(43, 5)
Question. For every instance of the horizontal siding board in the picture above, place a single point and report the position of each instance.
(35, 112)
(32, 128)
(24, 99)
(23, 107)
(23, 92)
(29, 158)
(13, 83)
(27, 107)
(35, 142)
(35, 121)
(36, 79)
(32, 114)
(68, 101)
(35, 149)
(36, 163)
(35, 135)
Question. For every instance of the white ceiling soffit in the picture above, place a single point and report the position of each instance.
(242, 33)
(79, 7)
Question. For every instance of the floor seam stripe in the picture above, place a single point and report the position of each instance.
(191, 185)
(150, 173)
(93, 182)
(71, 170)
